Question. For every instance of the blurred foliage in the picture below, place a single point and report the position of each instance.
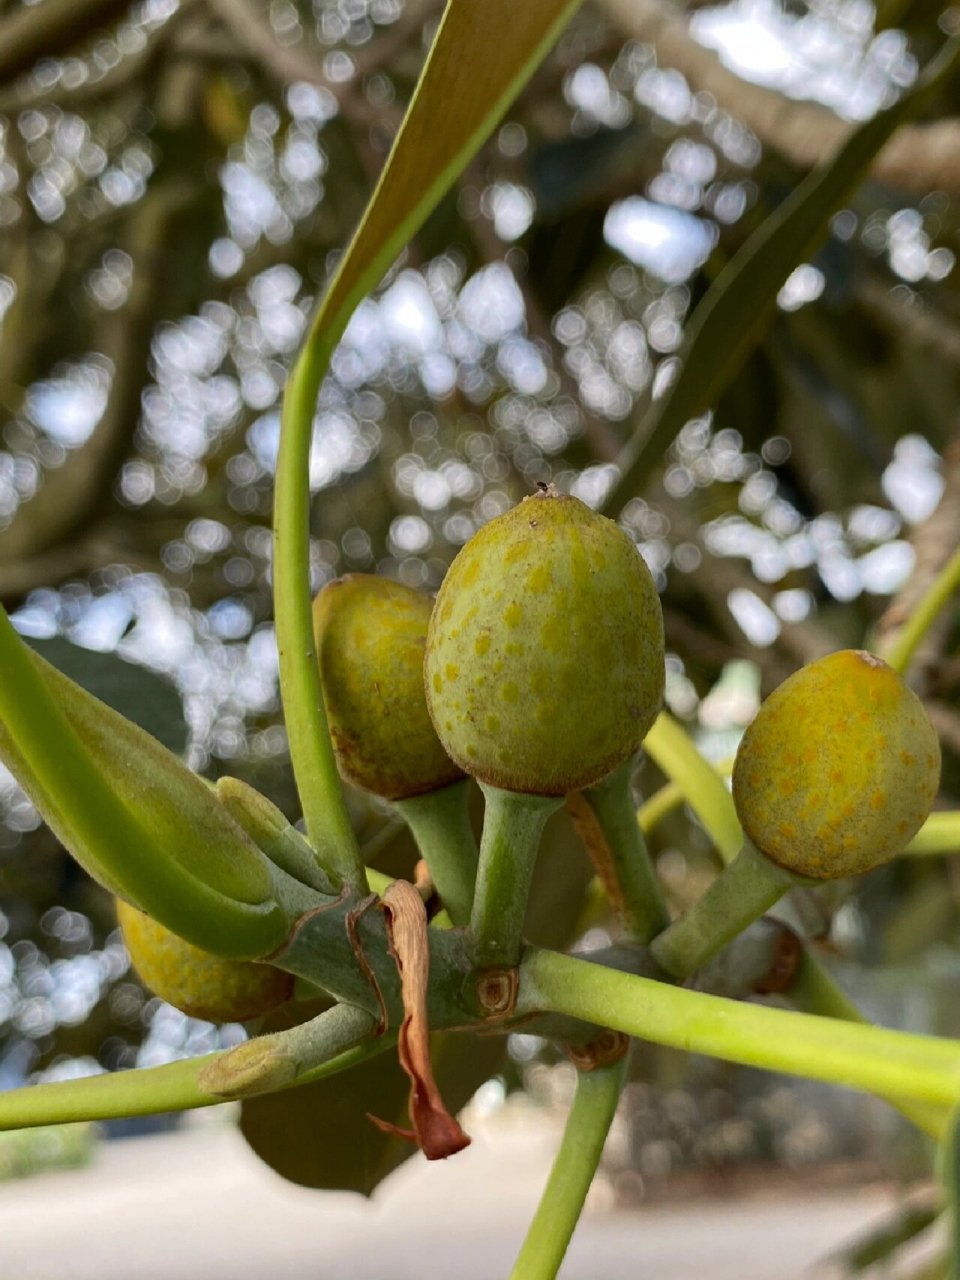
(65, 1146)
(176, 181)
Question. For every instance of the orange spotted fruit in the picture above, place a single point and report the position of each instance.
(839, 768)
(197, 982)
(545, 654)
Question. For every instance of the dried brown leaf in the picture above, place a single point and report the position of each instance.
(435, 1130)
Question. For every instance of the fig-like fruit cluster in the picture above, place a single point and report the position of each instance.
(370, 635)
(545, 655)
(839, 769)
(197, 982)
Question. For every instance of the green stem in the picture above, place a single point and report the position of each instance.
(889, 1063)
(311, 752)
(594, 1106)
(670, 747)
(661, 803)
(949, 1170)
(939, 834)
(742, 892)
(905, 644)
(145, 1091)
(512, 826)
(813, 990)
(440, 822)
(619, 852)
(670, 797)
(283, 1058)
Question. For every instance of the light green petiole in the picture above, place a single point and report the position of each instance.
(908, 638)
(594, 1106)
(440, 823)
(512, 826)
(893, 1064)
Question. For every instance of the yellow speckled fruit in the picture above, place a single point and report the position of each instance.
(544, 665)
(199, 983)
(370, 635)
(839, 769)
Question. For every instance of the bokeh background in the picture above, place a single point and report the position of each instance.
(176, 183)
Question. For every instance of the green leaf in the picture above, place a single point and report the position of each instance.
(736, 310)
(481, 57)
(144, 697)
(319, 1135)
(131, 813)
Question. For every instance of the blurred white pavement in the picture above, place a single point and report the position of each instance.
(197, 1205)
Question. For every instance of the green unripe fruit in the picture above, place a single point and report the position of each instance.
(839, 769)
(545, 658)
(370, 635)
(197, 982)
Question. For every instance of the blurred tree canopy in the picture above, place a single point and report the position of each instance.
(176, 181)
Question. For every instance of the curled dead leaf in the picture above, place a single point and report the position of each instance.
(435, 1130)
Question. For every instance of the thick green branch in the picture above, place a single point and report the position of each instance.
(892, 1063)
(145, 1091)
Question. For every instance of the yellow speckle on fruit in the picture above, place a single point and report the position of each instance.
(197, 982)
(552, 635)
(370, 636)
(451, 672)
(574, 663)
(853, 798)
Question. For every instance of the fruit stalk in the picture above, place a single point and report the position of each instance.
(594, 1106)
(606, 818)
(512, 826)
(744, 890)
(440, 823)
